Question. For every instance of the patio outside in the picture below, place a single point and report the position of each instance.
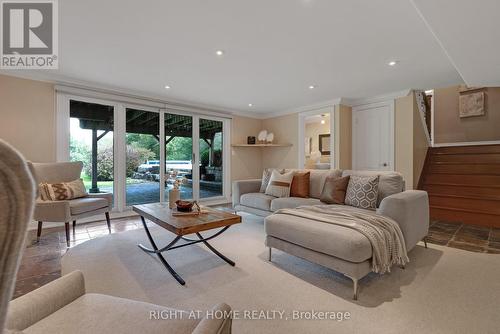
(91, 141)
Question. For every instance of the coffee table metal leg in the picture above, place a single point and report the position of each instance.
(155, 250)
(222, 256)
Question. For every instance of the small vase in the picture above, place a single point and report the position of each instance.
(173, 196)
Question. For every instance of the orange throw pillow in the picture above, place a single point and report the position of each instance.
(300, 185)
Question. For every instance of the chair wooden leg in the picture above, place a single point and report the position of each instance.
(108, 221)
(74, 226)
(39, 231)
(66, 225)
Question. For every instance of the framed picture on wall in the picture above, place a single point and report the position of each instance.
(324, 144)
(471, 104)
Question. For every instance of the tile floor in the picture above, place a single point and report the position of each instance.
(469, 237)
(41, 261)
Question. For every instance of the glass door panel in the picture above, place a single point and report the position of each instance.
(91, 142)
(179, 155)
(211, 153)
(142, 156)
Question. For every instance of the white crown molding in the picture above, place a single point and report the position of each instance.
(303, 109)
(64, 83)
(375, 99)
(74, 85)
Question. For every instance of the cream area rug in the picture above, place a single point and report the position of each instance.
(442, 290)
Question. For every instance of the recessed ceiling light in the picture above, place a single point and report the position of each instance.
(312, 87)
(392, 63)
(219, 52)
(167, 87)
(250, 105)
(323, 121)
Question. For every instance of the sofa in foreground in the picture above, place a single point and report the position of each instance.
(342, 249)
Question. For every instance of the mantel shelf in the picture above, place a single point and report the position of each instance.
(261, 145)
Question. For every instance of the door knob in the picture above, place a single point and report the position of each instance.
(384, 164)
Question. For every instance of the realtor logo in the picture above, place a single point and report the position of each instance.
(29, 34)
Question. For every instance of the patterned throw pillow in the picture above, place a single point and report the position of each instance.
(62, 191)
(266, 176)
(279, 184)
(362, 192)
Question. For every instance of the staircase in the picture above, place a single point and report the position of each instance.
(463, 183)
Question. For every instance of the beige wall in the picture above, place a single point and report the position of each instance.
(411, 142)
(313, 130)
(450, 128)
(27, 121)
(343, 136)
(403, 138)
(27, 117)
(420, 145)
(27, 110)
(246, 162)
(285, 129)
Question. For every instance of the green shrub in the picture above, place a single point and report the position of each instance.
(135, 157)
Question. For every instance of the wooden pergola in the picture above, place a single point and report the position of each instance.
(98, 117)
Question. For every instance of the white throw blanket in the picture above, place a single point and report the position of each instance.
(384, 234)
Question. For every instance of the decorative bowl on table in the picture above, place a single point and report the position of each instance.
(184, 206)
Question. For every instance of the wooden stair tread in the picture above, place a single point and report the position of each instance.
(461, 185)
(487, 220)
(464, 174)
(462, 153)
(479, 149)
(464, 210)
(474, 197)
(463, 163)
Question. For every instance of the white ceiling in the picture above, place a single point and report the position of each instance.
(469, 31)
(273, 49)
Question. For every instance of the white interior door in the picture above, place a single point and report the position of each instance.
(373, 137)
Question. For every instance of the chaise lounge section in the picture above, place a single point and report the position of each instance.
(336, 247)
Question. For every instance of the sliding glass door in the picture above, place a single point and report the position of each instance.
(211, 158)
(179, 155)
(142, 162)
(91, 142)
(139, 153)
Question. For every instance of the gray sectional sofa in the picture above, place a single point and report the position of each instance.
(246, 195)
(342, 249)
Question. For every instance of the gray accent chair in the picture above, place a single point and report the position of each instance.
(71, 210)
(63, 306)
(336, 247)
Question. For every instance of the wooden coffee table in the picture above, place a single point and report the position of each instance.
(160, 214)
